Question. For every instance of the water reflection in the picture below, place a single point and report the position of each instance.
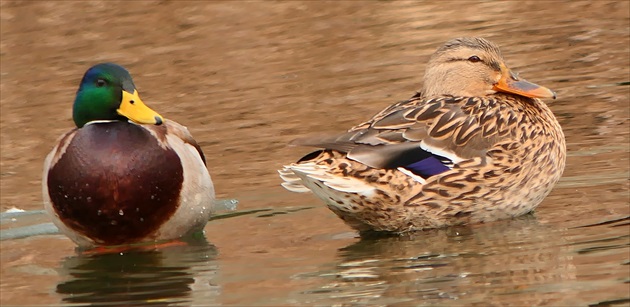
(507, 261)
(165, 276)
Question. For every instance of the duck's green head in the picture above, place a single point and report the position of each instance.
(107, 92)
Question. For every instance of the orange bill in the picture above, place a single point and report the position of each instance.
(510, 83)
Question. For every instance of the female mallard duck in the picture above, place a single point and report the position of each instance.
(475, 145)
(125, 174)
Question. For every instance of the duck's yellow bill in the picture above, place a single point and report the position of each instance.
(510, 83)
(134, 109)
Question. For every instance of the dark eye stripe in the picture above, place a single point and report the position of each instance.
(495, 65)
(473, 59)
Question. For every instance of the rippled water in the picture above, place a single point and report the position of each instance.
(248, 77)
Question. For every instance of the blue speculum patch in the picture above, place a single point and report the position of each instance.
(427, 167)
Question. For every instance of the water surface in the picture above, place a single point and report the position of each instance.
(248, 77)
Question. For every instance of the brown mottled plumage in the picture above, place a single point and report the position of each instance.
(499, 147)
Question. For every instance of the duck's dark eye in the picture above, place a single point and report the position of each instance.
(100, 83)
(474, 59)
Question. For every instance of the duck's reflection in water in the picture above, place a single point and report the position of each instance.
(179, 274)
(461, 265)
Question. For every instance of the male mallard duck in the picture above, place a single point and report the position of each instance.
(125, 174)
(474, 145)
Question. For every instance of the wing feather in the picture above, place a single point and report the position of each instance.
(456, 128)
